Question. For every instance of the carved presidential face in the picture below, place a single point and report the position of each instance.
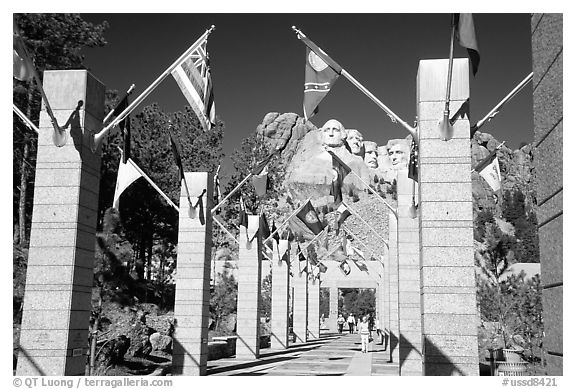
(398, 154)
(371, 154)
(355, 140)
(333, 133)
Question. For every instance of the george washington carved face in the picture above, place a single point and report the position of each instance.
(333, 133)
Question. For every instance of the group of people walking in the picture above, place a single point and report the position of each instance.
(363, 327)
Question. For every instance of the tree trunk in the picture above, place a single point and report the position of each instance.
(22, 202)
(94, 336)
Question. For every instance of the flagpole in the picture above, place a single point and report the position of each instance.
(508, 97)
(225, 229)
(152, 86)
(153, 184)
(445, 126)
(497, 148)
(231, 193)
(286, 221)
(359, 240)
(376, 193)
(111, 113)
(60, 138)
(316, 237)
(365, 222)
(24, 118)
(389, 112)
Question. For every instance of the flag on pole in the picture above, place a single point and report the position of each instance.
(344, 213)
(323, 268)
(344, 267)
(320, 74)
(302, 261)
(23, 66)
(127, 174)
(243, 218)
(217, 193)
(413, 162)
(276, 236)
(176, 151)
(339, 170)
(312, 257)
(262, 164)
(466, 36)
(489, 169)
(193, 77)
(310, 218)
(260, 182)
(124, 127)
(283, 246)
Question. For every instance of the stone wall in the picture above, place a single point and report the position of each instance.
(548, 133)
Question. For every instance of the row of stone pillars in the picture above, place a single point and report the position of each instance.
(430, 279)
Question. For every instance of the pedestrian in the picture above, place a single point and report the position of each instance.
(364, 332)
(340, 321)
(351, 322)
(379, 332)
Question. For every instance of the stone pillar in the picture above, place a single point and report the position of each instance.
(547, 60)
(249, 282)
(57, 302)
(409, 281)
(332, 325)
(280, 300)
(192, 295)
(393, 325)
(314, 308)
(446, 235)
(384, 316)
(300, 315)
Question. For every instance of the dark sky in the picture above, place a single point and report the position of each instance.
(258, 65)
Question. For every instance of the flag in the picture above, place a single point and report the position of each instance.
(243, 219)
(466, 36)
(217, 193)
(321, 73)
(260, 182)
(360, 265)
(301, 260)
(339, 170)
(176, 151)
(310, 218)
(264, 228)
(315, 272)
(276, 236)
(323, 268)
(312, 257)
(357, 251)
(127, 174)
(193, 77)
(262, 164)
(344, 213)
(344, 267)
(124, 126)
(489, 168)
(413, 162)
(23, 66)
(283, 246)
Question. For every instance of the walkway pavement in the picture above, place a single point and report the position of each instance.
(332, 354)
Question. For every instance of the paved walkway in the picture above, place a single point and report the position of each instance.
(330, 355)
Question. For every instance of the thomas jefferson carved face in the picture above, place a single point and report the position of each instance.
(371, 154)
(355, 139)
(333, 133)
(398, 153)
